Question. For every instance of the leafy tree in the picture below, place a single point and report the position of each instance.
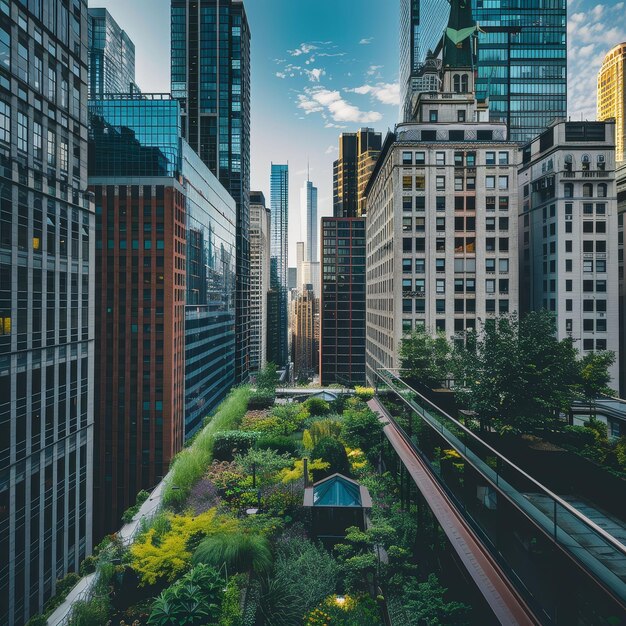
(319, 430)
(265, 463)
(517, 374)
(332, 451)
(240, 552)
(595, 377)
(425, 358)
(290, 417)
(267, 379)
(317, 407)
(297, 472)
(426, 605)
(361, 428)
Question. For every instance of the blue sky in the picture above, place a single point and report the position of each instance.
(320, 67)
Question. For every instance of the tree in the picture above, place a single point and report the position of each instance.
(595, 377)
(267, 379)
(515, 374)
(426, 359)
(332, 451)
(362, 429)
(425, 604)
(264, 463)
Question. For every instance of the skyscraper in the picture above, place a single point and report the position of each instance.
(260, 219)
(111, 56)
(279, 208)
(47, 269)
(612, 95)
(521, 65)
(308, 205)
(357, 156)
(211, 79)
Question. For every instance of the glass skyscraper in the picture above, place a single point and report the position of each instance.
(211, 78)
(279, 207)
(47, 248)
(111, 56)
(308, 203)
(522, 57)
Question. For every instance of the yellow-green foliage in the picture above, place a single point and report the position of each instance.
(357, 459)
(320, 430)
(166, 556)
(364, 393)
(297, 473)
(191, 464)
(283, 420)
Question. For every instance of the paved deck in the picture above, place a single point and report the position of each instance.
(504, 600)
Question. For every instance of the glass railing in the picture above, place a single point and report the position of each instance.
(507, 508)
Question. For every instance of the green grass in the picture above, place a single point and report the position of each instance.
(191, 463)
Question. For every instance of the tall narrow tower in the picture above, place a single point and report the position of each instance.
(308, 204)
(612, 95)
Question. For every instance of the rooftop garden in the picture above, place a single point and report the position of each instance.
(232, 543)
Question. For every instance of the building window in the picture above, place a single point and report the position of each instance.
(420, 266)
(440, 203)
(440, 305)
(433, 117)
(460, 115)
(22, 132)
(407, 203)
(407, 158)
(440, 265)
(420, 183)
(440, 223)
(407, 183)
(490, 158)
(440, 285)
(5, 121)
(420, 158)
(440, 183)
(602, 190)
(440, 158)
(585, 162)
(458, 183)
(587, 190)
(51, 149)
(490, 285)
(407, 266)
(503, 158)
(490, 182)
(503, 182)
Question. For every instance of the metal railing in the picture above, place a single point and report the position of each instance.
(599, 553)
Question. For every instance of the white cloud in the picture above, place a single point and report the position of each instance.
(331, 150)
(591, 33)
(281, 75)
(320, 99)
(303, 48)
(315, 74)
(366, 41)
(387, 93)
(373, 69)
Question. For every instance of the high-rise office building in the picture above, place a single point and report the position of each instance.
(620, 176)
(441, 214)
(279, 209)
(521, 64)
(165, 294)
(111, 56)
(305, 338)
(342, 302)
(292, 278)
(358, 153)
(308, 207)
(568, 233)
(422, 24)
(612, 95)
(211, 79)
(260, 220)
(47, 251)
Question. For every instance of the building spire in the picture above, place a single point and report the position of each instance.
(457, 46)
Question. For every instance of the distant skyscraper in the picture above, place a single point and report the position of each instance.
(305, 338)
(211, 78)
(111, 56)
(358, 153)
(308, 205)
(47, 271)
(279, 208)
(612, 95)
(522, 58)
(292, 278)
(260, 220)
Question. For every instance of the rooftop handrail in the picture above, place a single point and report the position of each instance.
(542, 488)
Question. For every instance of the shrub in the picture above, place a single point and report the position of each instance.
(320, 430)
(356, 610)
(579, 436)
(265, 463)
(317, 406)
(332, 451)
(230, 611)
(130, 512)
(267, 379)
(362, 429)
(261, 400)
(364, 393)
(226, 442)
(37, 620)
(63, 587)
(290, 417)
(193, 600)
(240, 552)
(164, 557)
(190, 464)
(279, 443)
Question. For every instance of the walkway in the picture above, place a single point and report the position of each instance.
(505, 602)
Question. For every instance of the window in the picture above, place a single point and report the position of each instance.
(407, 306)
(569, 265)
(587, 190)
(440, 223)
(407, 284)
(440, 183)
(503, 158)
(568, 190)
(601, 325)
(470, 183)
(433, 116)
(490, 306)
(490, 182)
(407, 224)
(601, 266)
(588, 325)
(440, 203)
(587, 286)
(503, 244)
(503, 266)
(37, 140)
(470, 159)
(490, 158)
(585, 162)
(407, 158)
(407, 244)
(588, 208)
(459, 285)
(5, 121)
(420, 158)
(420, 203)
(440, 305)
(420, 224)
(407, 203)
(420, 266)
(460, 115)
(22, 132)
(458, 183)
(52, 148)
(406, 266)
(600, 208)
(503, 306)
(568, 245)
(440, 158)
(440, 285)
(420, 244)
(64, 156)
(420, 285)
(407, 183)
(420, 183)
(601, 227)
(456, 83)
(602, 190)
(459, 158)
(587, 227)
(490, 285)
(503, 182)
(503, 223)
(490, 223)
(601, 286)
